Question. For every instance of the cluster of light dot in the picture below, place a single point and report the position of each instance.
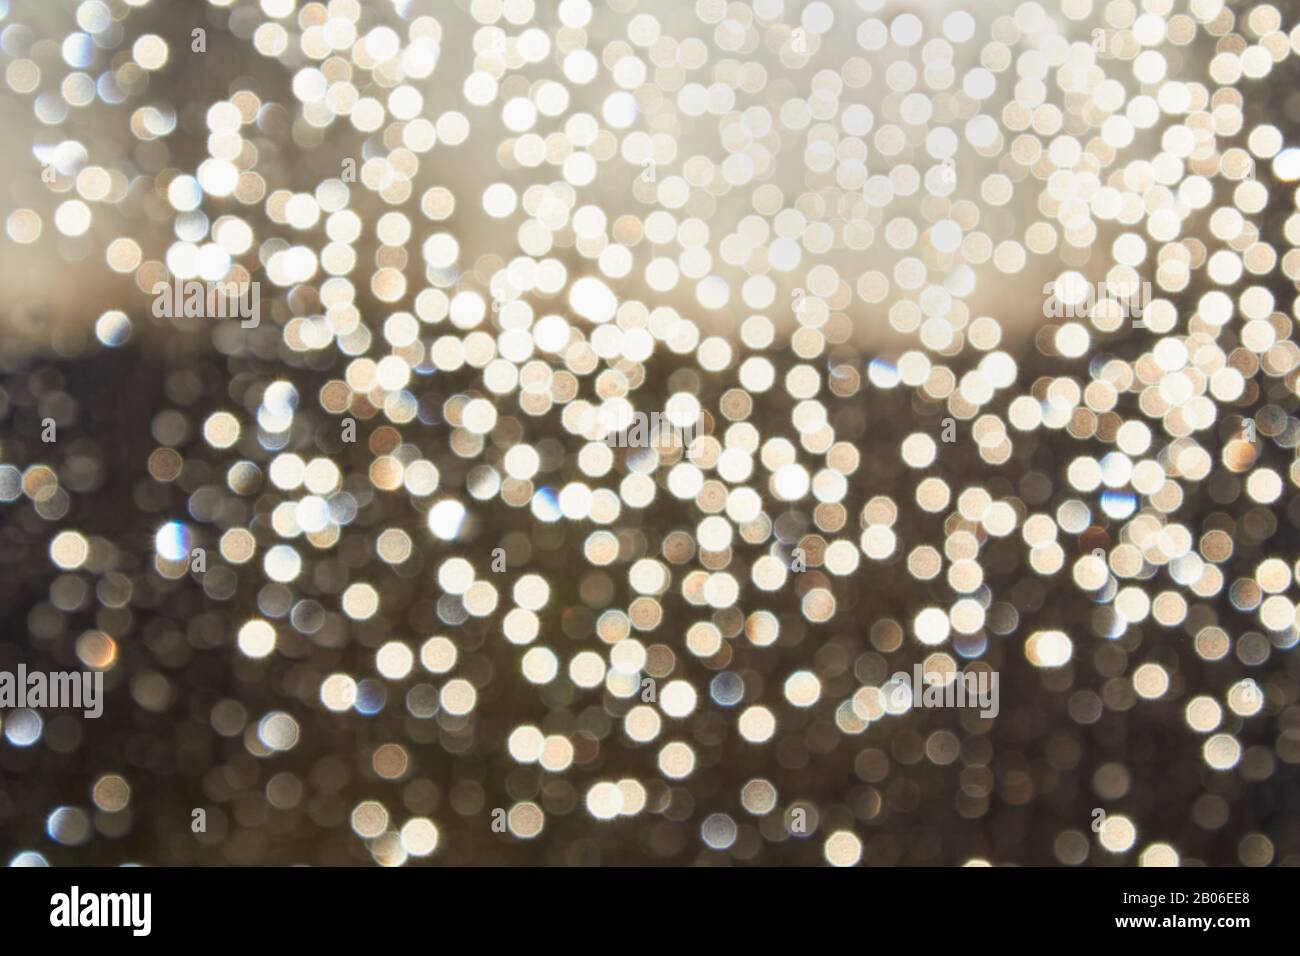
(751, 195)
